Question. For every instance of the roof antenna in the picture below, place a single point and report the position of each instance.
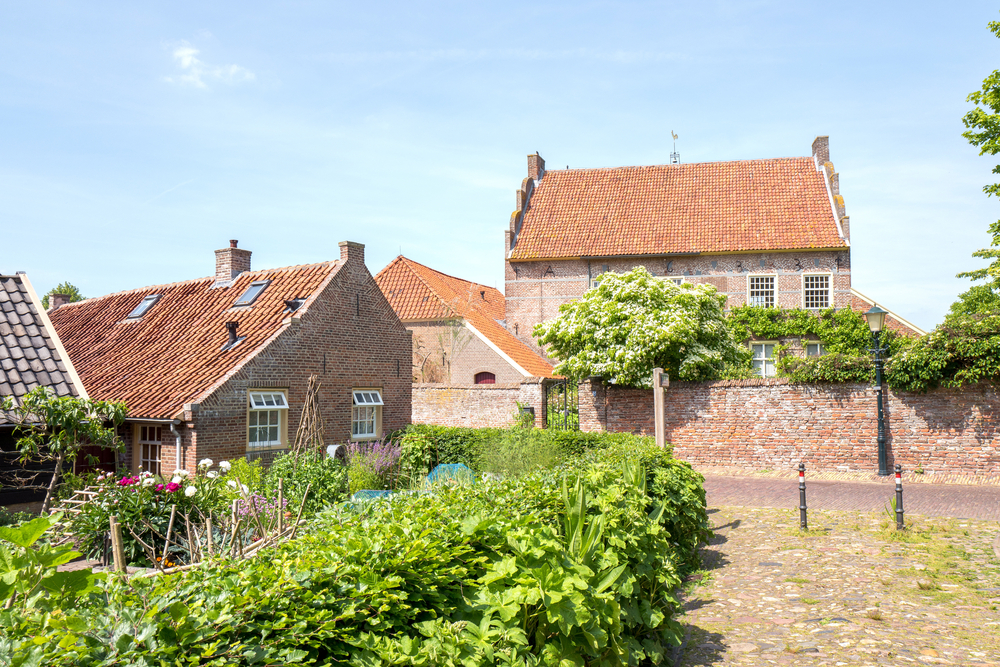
(675, 157)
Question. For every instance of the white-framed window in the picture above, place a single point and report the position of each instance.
(148, 437)
(267, 420)
(677, 281)
(143, 307)
(760, 291)
(763, 359)
(816, 291)
(366, 414)
(814, 349)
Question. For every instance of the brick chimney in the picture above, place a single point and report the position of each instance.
(231, 262)
(821, 149)
(58, 301)
(352, 252)
(536, 166)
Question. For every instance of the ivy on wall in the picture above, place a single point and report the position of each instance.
(843, 333)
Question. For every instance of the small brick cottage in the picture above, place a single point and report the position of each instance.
(218, 367)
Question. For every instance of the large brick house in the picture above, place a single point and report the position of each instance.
(31, 356)
(218, 367)
(771, 232)
(468, 369)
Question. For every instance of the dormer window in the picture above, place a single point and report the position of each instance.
(143, 307)
(252, 293)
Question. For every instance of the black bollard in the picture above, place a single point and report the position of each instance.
(803, 524)
(899, 497)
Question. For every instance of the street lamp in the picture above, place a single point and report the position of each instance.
(876, 320)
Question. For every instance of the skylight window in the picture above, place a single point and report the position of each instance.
(252, 293)
(144, 306)
(367, 397)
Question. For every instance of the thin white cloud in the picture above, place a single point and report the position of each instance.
(470, 55)
(195, 72)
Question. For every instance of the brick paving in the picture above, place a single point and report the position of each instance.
(978, 501)
(850, 591)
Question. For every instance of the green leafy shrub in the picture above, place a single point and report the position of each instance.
(325, 478)
(964, 349)
(8, 518)
(482, 449)
(574, 565)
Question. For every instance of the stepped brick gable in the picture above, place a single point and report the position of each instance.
(771, 232)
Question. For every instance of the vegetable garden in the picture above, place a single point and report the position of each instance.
(570, 556)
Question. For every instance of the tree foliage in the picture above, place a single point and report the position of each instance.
(983, 131)
(633, 322)
(63, 288)
(52, 428)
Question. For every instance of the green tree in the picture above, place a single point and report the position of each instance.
(633, 322)
(54, 429)
(63, 288)
(983, 130)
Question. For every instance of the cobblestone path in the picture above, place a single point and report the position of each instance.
(851, 591)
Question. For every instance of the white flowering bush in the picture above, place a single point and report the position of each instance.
(633, 322)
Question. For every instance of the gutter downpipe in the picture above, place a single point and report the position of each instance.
(180, 451)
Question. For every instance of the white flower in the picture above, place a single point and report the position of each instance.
(176, 479)
(148, 481)
(212, 474)
(244, 489)
(146, 473)
(190, 491)
(224, 466)
(205, 463)
(233, 484)
(181, 473)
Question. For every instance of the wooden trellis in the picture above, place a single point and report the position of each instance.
(310, 436)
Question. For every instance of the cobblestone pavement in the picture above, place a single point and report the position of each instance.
(951, 500)
(850, 591)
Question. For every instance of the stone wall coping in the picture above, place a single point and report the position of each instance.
(488, 387)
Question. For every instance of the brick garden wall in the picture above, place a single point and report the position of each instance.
(772, 424)
(476, 405)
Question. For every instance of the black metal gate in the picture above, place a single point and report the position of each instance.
(562, 406)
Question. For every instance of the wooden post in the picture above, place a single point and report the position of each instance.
(281, 509)
(658, 406)
(116, 545)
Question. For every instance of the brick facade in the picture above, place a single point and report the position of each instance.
(774, 424)
(448, 352)
(477, 405)
(535, 290)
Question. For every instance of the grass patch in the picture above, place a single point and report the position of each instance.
(797, 580)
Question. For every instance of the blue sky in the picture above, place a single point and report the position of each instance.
(136, 138)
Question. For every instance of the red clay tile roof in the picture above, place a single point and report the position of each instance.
(712, 207)
(417, 292)
(172, 355)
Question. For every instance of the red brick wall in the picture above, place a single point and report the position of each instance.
(345, 343)
(773, 424)
(476, 405)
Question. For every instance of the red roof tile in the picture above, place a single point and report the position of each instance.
(419, 293)
(712, 207)
(173, 353)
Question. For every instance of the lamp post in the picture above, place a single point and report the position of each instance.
(876, 320)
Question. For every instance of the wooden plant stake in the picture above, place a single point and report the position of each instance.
(116, 545)
(208, 530)
(170, 529)
(281, 505)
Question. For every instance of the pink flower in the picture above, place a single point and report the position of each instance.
(172, 486)
(159, 487)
